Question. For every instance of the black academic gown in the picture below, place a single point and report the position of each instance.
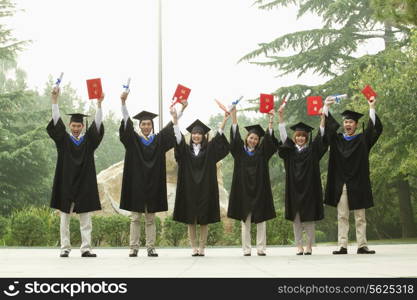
(303, 191)
(251, 186)
(75, 173)
(144, 171)
(349, 164)
(197, 196)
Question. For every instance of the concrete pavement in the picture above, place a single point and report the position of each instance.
(398, 260)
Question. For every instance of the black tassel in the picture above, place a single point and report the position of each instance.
(311, 137)
(363, 127)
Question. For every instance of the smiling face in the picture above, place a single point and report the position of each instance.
(76, 128)
(252, 140)
(197, 138)
(146, 127)
(300, 138)
(350, 126)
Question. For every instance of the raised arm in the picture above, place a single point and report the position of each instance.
(372, 113)
(234, 121)
(374, 128)
(123, 98)
(282, 132)
(55, 108)
(223, 124)
(99, 112)
(330, 124)
(320, 143)
(270, 143)
(56, 128)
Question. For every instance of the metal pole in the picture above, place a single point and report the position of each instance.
(160, 63)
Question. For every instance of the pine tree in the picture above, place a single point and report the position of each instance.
(331, 52)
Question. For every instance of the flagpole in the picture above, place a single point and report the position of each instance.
(160, 63)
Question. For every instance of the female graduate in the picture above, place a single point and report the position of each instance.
(303, 191)
(197, 196)
(251, 196)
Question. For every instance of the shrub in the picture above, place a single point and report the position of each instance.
(4, 226)
(98, 235)
(215, 234)
(28, 229)
(116, 230)
(173, 232)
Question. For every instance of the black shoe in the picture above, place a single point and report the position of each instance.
(341, 251)
(152, 253)
(88, 254)
(194, 254)
(247, 254)
(64, 254)
(261, 254)
(307, 253)
(133, 253)
(300, 253)
(365, 250)
(201, 254)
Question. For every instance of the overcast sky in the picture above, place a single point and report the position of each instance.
(114, 40)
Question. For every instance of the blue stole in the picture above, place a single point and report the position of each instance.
(250, 153)
(348, 137)
(147, 142)
(75, 141)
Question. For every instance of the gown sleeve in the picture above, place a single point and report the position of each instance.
(330, 128)
(372, 132)
(179, 149)
(57, 132)
(220, 146)
(236, 143)
(167, 136)
(285, 149)
(127, 134)
(95, 136)
(269, 144)
(320, 144)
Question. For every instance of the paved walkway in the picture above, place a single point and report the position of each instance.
(390, 261)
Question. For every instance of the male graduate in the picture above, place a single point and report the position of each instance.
(348, 183)
(144, 175)
(75, 181)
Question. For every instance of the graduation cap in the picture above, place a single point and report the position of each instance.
(77, 117)
(302, 127)
(198, 126)
(257, 129)
(351, 115)
(145, 115)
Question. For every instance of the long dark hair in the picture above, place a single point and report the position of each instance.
(204, 142)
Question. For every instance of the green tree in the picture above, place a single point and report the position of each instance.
(397, 11)
(9, 46)
(394, 161)
(332, 52)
